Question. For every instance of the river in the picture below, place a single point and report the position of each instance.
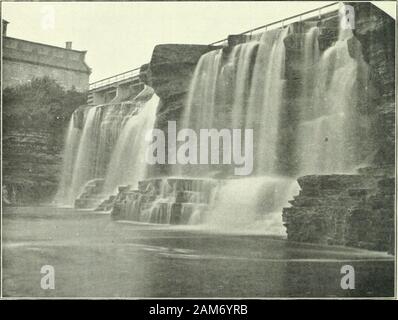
(94, 256)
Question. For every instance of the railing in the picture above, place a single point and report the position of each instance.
(135, 72)
(282, 22)
(116, 78)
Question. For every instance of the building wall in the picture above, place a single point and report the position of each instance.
(24, 60)
(17, 72)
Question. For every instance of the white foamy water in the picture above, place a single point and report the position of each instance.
(251, 204)
(127, 165)
(89, 151)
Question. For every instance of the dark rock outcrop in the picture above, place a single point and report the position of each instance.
(35, 118)
(171, 67)
(375, 30)
(351, 210)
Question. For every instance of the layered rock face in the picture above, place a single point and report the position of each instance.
(375, 30)
(352, 210)
(31, 165)
(35, 117)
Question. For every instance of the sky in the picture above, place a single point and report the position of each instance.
(119, 36)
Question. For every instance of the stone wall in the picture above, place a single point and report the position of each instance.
(18, 72)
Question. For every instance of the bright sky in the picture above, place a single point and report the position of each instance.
(120, 36)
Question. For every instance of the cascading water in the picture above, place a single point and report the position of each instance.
(249, 86)
(311, 56)
(243, 87)
(101, 128)
(82, 168)
(265, 100)
(64, 195)
(127, 165)
(89, 150)
(200, 108)
(246, 91)
(325, 135)
(253, 204)
(243, 57)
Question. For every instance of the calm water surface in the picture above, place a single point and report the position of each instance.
(94, 256)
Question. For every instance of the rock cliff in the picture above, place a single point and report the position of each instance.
(352, 210)
(31, 165)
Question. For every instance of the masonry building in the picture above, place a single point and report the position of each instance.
(24, 60)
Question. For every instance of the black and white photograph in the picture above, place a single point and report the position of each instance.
(198, 150)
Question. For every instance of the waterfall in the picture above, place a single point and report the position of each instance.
(64, 195)
(243, 87)
(253, 204)
(100, 132)
(88, 151)
(127, 165)
(265, 101)
(243, 56)
(311, 56)
(328, 121)
(245, 91)
(200, 107)
(83, 168)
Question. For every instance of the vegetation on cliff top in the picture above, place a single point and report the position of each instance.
(40, 104)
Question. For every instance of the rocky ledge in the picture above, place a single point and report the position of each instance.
(352, 210)
(165, 201)
(31, 163)
(91, 195)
